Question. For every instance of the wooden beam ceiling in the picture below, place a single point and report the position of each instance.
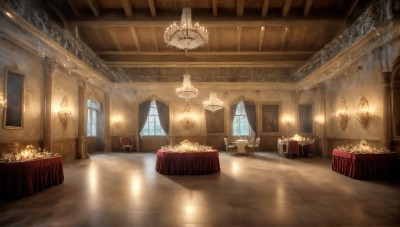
(152, 7)
(307, 8)
(214, 7)
(94, 6)
(127, 5)
(239, 8)
(286, 7)
(264, 11)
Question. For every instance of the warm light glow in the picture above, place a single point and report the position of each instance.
(363, 112)
(319, 119)
(186, 36)
(3, 101)
(287, 119)
(342, 114)
(187, 120)
(235, 168)
(190, 209)
(64, 114)
(9, 15)
(187, 91)
(116, 120)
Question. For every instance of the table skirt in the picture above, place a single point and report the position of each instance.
(189, 163)
(19, 179)
(365, 166)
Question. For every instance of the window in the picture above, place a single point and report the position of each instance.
(240, 124)
(93, 117)
(152, 127)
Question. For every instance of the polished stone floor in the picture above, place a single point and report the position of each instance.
(123, 189)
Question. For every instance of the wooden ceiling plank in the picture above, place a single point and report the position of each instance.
(208, 23)
(286, 7)
(238, 38)
(243, 53)
(152, 8)
(152, 64)
(261, 39)
(307, 8)
(351, 8)
(215, 8)
(94, 6)
(115, 40)
(127, 7)
(217, 38)
(284, 40)
(75, 11)
(153, 32)
(135, 38)
(264, 11)
(239, 8)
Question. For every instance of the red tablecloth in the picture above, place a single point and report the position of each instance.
(188, 163)
(364, 166)
(19, 179)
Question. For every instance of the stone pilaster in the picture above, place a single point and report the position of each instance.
(49, 66)
(387, 112)
(82, 150)
(107, 134)
(323, 146)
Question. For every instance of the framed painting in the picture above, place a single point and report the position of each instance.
(270, 118)
(306, 118)
(13, 117)
(215, 121)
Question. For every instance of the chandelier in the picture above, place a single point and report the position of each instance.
(186, 36)
(187, 91)
(213, 103)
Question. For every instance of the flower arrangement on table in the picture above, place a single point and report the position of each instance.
(187, 146)
(363, 148)
(29, 153)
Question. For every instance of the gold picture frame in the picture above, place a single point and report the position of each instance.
(13, 116)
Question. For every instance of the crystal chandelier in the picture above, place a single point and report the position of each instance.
(213, 103)
(187, 91)
(186, 36)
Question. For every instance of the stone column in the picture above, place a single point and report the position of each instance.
(49, 66)
(82, 116)
(387, 112)
(295, 125)
(107, 134)
(323, 138)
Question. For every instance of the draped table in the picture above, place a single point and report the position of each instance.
(187, 163)
(364, 166)
(19, 179)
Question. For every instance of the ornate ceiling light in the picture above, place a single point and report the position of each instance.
(186, 36)
(213, 103)
(187, 91)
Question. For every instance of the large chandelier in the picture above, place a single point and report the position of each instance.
(186, 36)
(213, 103)
(187, 91)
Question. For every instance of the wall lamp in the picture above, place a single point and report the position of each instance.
(363, 112)
(64, 114)
(287, 120)
(343, 115)
(3, 101)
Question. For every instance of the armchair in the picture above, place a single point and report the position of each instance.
(126, 143)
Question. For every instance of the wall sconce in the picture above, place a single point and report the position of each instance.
(287, 120)
(3, 101)
(319, 119)
(116, 121)
(187, 121)
(363, 112)
(64, 114)
(343, 115)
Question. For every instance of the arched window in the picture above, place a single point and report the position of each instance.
(92, 117)
(152, 126)
(240, 124)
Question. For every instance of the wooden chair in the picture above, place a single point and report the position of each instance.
(294, 148)
(126, 143)
(253, 147)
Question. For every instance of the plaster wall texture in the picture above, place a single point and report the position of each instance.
(65, 85)
(361, 79)
(123, 113)
(31, 66)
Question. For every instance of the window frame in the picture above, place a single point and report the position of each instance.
(92, 109)
(244, 115)
(156, 118)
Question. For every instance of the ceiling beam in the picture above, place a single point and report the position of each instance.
(284, 39)
(135, 38)
(127, 7)
(115, 40)
(235, 64)
(286, 7)
(261, 39)
(227, 53)
(238, 38)
(152, 7)
(214, 7)
(211, 22)
(239, 8)
(351, 8)
(264, 11)
(94, 6)
(307, 8)
(75, 11)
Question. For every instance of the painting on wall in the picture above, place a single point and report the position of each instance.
(270, 118)
(215, 121)
(305, 118)
(14, 94)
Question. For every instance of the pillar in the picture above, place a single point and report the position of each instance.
(386, 115)
(82, 116)
(323, 137)
(107, 134)
(49, 67)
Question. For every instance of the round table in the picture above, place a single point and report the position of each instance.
(187, 163)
